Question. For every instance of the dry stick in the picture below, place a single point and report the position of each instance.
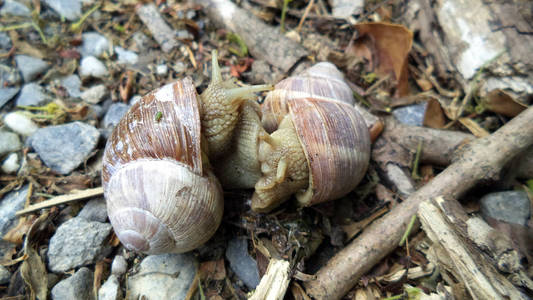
(62, 200)
(482, 159)
(263, 41)
(275, 281)
(439, 146)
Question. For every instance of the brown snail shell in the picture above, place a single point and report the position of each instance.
(155, 181)
(332, 134)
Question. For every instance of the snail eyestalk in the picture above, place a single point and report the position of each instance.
(220, 108)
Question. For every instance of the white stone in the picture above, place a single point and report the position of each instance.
(20, 123)
(161, 70)
(119, 266)
(94, 94)
(126, 56)
(11, 164)
(91, 66)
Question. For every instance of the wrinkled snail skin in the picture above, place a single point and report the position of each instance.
(161, 194)
(320, 147)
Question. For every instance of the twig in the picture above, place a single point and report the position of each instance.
(62, 200)
(481, 160)
(306, 12)
(274, 283)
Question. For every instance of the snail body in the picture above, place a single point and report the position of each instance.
(320, 145)
(161, 193)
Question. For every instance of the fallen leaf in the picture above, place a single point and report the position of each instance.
(213, 270)
(424, 84)
(33, 270)
(386, 47)
(434, 116)
(16, 234)
(474, 127)
(502, 103)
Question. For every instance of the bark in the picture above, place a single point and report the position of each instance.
(263, 41)
(481, 160)
(449, 228)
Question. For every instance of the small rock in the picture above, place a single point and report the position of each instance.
(76, 243)
(119, 266)
(9, 76)
(114, 114)
(64, 147)
(93, 44)
(508, 206)
(91, 66)
(32, 94)
(94, 210)
(9, 142)
(98, 110)
(5, 275)
(184, 35)
(70, 9)
(77, 286)
(20, 123)
(242, 263)
(411, 115)
(5, 41)
(14, 8)
(179, 67)
(191, 14)
(7, 94)
(11, 203)
(11, 164)
(166, 276)
(126, 56)
(94, 94)
(72, 84)
(161, 32)
(161, 70)
(110, 290)
(141, 41)
(30, 66)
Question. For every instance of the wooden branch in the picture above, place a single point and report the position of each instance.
(62, 200)
(482, 159)
(444, 223)
(263, 41)
(274, 283)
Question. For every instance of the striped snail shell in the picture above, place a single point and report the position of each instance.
(161, 193)
(319, 149)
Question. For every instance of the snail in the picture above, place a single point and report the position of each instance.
(162, 195)
(319, 146)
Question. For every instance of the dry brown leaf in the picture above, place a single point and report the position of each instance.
(33, 270)
(98, 274)
(298, 292)
(434, 116)
(424, 84)
(502, 103)
(16, 234)
(474, 127)
(386, 46)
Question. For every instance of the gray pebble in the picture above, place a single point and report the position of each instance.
(93, 44)
(64, 147)
(90, 66)
(72, 84)
(110, 290)
(78, 286)
(7, 94)
(126, 56)
(411, 115)
(70, 9)
(9, 76)
(32, 94)
(30, 66)
(161, 70)
(14, 8)
(508, 206)
(141, 41)
(5, 275)
(5, 41)
(94, 210)
(119, 266)
(11, 203)
(76, 243)
(166, 276)
(9, 142)
(94, 94)
(242, 263)
(114, 114)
